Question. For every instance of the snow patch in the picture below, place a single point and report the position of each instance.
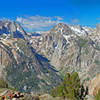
(18, 29)
(18, 48)
(78, 31)
(67, 38)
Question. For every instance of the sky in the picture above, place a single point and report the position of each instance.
(40, 15)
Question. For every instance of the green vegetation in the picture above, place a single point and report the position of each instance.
(71, 88)
(85, 80)
(26, 73)
(98, 95)
(86, 51)
(82, 42)
(97, 47)
(97, 62)
(1, 98)
(3, 84)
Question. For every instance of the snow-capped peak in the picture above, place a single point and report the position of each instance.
(78, 30)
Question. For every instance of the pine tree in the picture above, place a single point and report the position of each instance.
(71, 88)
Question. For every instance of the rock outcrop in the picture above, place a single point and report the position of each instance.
(94, 85)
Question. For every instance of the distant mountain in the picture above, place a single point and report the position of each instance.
(13, 29)
(71, 48)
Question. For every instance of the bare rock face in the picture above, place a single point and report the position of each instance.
(20, 65)
(13, 29)
(71, 48)
(4, 60)
(24, 69)
(94, 85)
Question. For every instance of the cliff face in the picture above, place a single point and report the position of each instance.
(13, 29)
(71, 48)
(24, 69)
(4, 60)
(94, 85)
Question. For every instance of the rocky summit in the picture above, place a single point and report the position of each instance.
(11, 28)
(71, 48)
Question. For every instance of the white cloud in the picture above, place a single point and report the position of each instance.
(75, 20)
(19, 19)
(38, 22)
(59, 18)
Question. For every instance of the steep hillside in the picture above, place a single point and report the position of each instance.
(71, 48)
(24, 69)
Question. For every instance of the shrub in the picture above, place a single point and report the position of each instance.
(71, 88)
(1, 98)
(3, 84)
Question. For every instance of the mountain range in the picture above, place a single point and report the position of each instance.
(36, 62)
(71, 48)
